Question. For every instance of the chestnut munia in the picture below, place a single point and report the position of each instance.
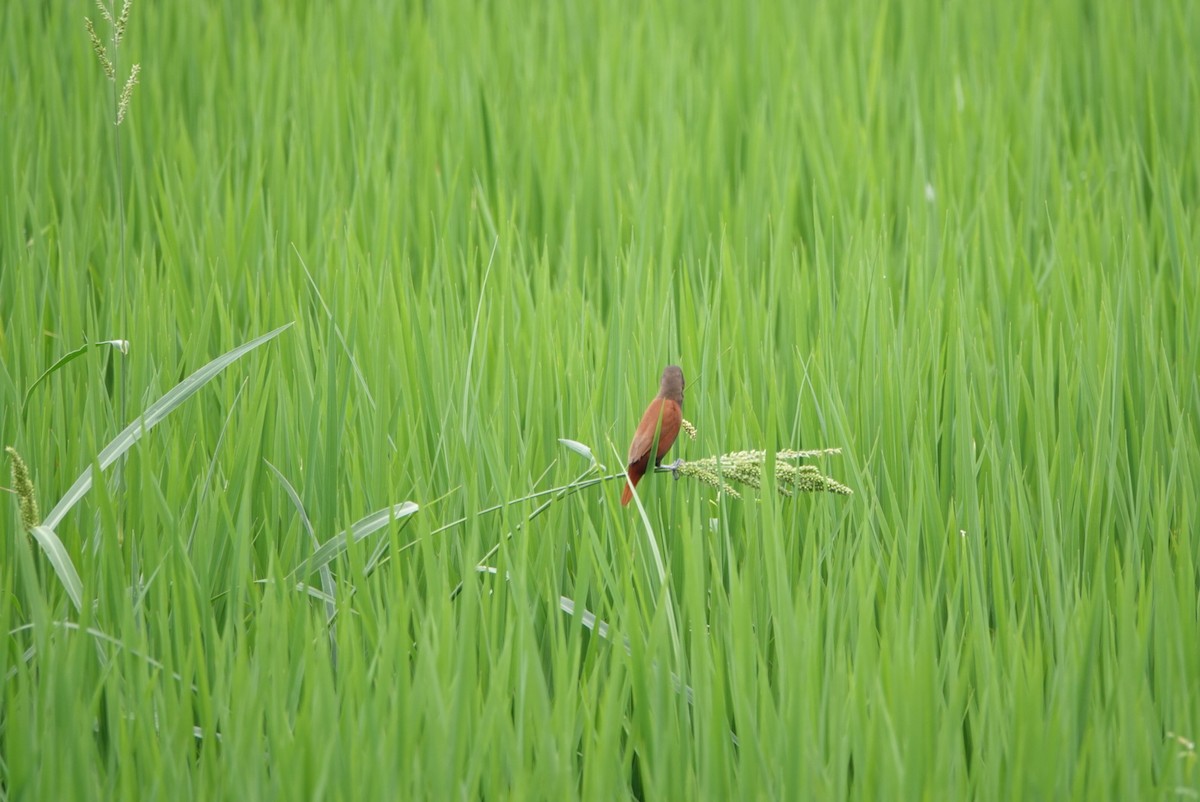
(663, 416)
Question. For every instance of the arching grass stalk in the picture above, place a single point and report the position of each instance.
(579, 483)
(109, 62)
(743, 467)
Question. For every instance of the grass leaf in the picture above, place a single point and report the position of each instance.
(56, 552)
(153, 415)
(580, 449)
(120, 345)
(330, 551)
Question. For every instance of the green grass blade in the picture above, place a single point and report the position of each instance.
(153, 415)
(581, 449)
(328, 588)
(57, 554)
(120, 345)
(359, 530)
(295, 499)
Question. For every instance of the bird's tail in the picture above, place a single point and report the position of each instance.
(635, 471)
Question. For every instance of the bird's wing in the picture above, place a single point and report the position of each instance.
(672, 417)
(643, 438)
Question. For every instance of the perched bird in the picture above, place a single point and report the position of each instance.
(663, 418)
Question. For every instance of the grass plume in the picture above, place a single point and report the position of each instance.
(23, 485)
(122, 22)
(100, 50)
(127, 93)
(747, 468)
(107, 61)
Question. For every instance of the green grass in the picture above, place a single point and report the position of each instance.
(957, 240)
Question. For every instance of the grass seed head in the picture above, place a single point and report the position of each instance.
(104, 12)
(746, 468)
(99, 49)
(30, 516)
(122, 21)
(127, 93)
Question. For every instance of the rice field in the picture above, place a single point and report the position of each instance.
(319, 373)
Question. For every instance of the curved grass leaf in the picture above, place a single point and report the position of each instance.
(120, 345)
(357, 531)
(100, 637)
(57, 554)
(580, 449)
(328, 588)
(600, 627)
(150, 418)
